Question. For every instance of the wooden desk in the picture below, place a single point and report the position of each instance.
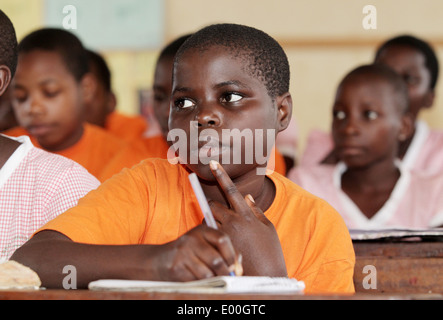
(120, 295)
(401, 267)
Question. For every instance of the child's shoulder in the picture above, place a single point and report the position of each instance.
(290, 190)
(297, 206)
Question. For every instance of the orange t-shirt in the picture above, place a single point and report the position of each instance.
(278, 161)
(152, 147)
(128, 128)
(93, 151)
(153, 203)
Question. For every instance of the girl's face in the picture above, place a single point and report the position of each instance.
(367, 122)
(410, 64)
(212, 90)
(47, 100)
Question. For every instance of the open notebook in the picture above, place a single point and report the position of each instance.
(222, 284)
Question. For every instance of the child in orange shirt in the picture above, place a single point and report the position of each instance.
(145, 222)
(100, 110)
(51, 86)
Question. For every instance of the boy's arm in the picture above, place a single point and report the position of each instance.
(200, 253)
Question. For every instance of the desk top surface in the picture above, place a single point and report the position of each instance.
(122, 295)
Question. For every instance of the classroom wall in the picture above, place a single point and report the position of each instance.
(324, 39)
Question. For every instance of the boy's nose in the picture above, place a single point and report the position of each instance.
(208, 117)
(351, 127)
(36, 107)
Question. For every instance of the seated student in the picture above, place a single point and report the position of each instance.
(145, 222)
(369, 187)
(158, 146)
(35, 185)
(416, 62)
(100, 110)
(51, 85)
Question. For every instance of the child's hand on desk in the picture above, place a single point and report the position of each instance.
(202, 252)
(251, 233)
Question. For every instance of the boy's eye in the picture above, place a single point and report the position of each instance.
(339, 115)
(371, 115)
(232, 97)
(51, 94)
(20, 96)
(184, 103)
(411, 80)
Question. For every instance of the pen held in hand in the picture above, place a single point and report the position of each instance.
(204, 205)
(202, 201)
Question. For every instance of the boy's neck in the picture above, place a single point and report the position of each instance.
(373, 177)
(260, 187)
(370, 188)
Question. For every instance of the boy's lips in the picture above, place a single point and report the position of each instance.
(350, 151)
(209, 147)
(39, 129)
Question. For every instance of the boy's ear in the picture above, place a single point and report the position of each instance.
(407, 127)
(112, 102)
(284, 106)
(428, 99)
(5, 78)
(89, 86)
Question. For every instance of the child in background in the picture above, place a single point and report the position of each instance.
(145, 222)
(156, 146)
(52, 84)
(35, 185)
(417, 63)
(100, 110)
(369, 187)
(162, 86)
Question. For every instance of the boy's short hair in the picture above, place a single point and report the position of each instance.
(65, 43)
(431, 60)
(265, 57)
(171, 48)
(8, 43)
(389, 76)
(101, 67)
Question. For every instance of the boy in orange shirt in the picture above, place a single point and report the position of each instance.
(100, 110)
(145, 223)
(52, 84)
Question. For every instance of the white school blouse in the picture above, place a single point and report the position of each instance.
(35, 187)
(415, 202)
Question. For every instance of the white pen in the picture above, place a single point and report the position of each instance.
(202, 201)
(204, 205)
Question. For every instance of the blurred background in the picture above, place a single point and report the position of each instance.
(324, 39)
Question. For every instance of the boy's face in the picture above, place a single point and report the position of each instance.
(213, 90)
(101, 103)
(162, 91)
(47, 100)
(410, 64)
(367, 121)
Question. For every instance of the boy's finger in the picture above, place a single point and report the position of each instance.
(229, 189)
(223, 245)
(255, 209)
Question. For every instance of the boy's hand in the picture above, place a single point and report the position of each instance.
(251, 233)
(200, 253)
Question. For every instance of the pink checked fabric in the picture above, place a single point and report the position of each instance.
(35, 187)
